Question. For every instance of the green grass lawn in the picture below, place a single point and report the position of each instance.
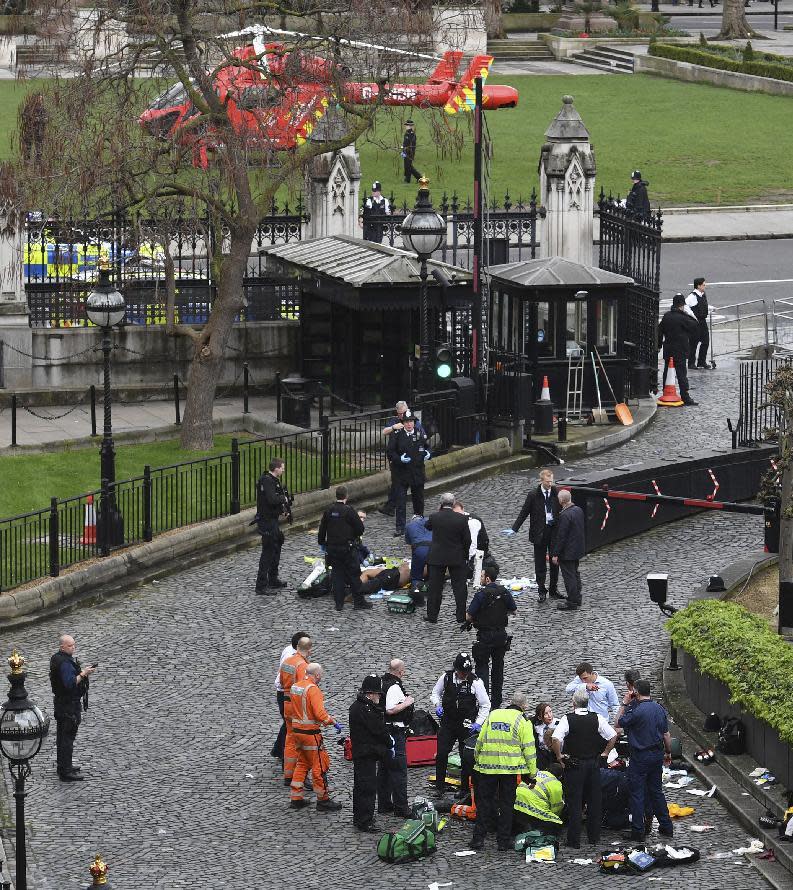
(696, 144)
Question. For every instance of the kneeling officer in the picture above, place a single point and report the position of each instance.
(339, 529)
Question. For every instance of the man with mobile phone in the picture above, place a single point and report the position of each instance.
(69, 683)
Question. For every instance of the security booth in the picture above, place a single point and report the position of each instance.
(548, 316)
(360, 315)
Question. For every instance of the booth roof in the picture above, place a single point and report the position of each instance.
(359, 263)
(555, 271)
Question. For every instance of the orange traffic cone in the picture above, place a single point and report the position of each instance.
(89, 523)
(545, 395)
(670, 398)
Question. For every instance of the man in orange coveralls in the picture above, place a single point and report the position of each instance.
(308, 718)
(292, 670)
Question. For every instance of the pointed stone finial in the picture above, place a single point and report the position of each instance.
(567, 100)
(567, 126)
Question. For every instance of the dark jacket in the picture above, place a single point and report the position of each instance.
(638, 201)
(415, 447)
(340, 526)
(674, 332)
(270, 497)
(409, 144)
(368, 732)
(451, 538)
(569, 543)
(534, 508)
(66, 691)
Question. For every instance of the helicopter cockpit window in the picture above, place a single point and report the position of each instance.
(176, 95)
(258, 97)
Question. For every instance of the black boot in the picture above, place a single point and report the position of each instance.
(360, 602)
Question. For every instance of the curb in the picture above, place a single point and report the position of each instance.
(744, 800)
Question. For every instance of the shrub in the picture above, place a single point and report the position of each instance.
(703, 41)
(740, 650)
(717, 57)
(748, 53)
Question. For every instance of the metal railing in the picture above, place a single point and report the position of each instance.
(72, 530)
(758, 419)
(738, 329)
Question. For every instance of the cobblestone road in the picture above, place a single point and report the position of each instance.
(181, 790)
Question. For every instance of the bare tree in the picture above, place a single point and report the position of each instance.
(95, 157)
(734, 25)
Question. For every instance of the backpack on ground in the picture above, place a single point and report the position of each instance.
(318, 586)
(424, 810)
(414, 840)
(423, 723)
(732, 737)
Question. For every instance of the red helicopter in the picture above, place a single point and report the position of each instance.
(276, 95)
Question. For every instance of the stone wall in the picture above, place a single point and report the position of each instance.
(701, 74)
(146, 355)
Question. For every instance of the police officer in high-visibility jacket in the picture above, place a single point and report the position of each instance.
(292, 670)
(539, 805)
(308, 718)
(504, 750)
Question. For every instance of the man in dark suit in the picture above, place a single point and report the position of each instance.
(451, 539)
(542, 509)
(568, 548)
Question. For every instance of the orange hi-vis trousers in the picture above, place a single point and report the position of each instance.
(311, 758)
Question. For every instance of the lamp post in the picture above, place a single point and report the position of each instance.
(423, 232)
(105, 307)
(22, 729)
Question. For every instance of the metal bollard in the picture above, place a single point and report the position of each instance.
(13, 421)
(176, 399)
(561, 429)
(93, 410)
(245, 388)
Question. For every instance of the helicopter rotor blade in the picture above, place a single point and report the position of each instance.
(263, 30)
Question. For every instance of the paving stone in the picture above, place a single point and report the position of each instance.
(181, 789)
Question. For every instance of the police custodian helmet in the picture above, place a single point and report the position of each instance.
(372, 683)
(463, 662)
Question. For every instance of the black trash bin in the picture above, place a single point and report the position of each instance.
(296, 397)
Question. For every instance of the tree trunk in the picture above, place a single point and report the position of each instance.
(494, 20)
(208, 358)
(733, 21)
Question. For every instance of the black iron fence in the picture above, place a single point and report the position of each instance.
(72, 530)
(630, 245)
(509, 229)
(61, 257)
(758, 419)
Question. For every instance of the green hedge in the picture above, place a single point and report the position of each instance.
(529, 21)
(741, 650)
(697, 56)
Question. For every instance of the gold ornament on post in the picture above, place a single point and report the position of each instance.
(16, 662)
(99, 871)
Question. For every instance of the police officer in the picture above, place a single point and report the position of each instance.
(407, 451)
(697, 302)
(371, 743)
(461, 701)
(650, 747)
(272, 502)
(375, 208)
(339, 530)
(586, 737)
(675, 332)
(489, 613)
(409, 151)
(392, 773)
(69, 683)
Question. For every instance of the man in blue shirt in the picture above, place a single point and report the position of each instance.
(602, 694)
(650, 747)
(419, 537)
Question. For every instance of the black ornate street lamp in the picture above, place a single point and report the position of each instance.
(22, 729)
(105, 307)
(424, 232)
